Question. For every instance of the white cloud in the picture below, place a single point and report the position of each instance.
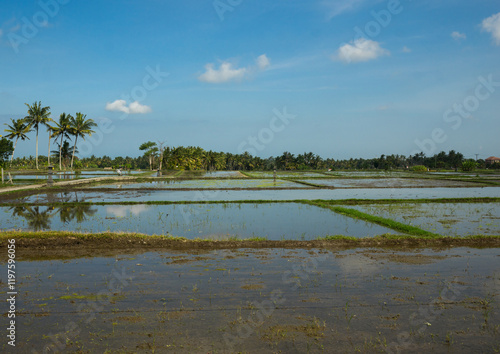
(360, 50)
(492, 25)
(263, 62)
(226, 72)
(337, 7)
(406, 49)
(133, 108)
(137, 108)
(458, 36)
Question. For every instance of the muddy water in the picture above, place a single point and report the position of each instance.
(290, 221)
(268, 300)
(458, 219)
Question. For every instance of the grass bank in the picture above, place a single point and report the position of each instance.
(394, 225)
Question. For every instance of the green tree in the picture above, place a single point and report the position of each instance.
(37, 115)
(80, 126)
(150, 150)
(17, 130)
(469, 165)
(62, 129)
(6, 149)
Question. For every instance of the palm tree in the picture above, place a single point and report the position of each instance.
(62, 129)
(37, 115)
(65, 152)
(80, 126)
(17, 130)
(52, 134)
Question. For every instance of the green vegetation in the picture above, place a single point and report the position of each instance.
(469, 165)
(407, 229)
(80, 126)
(17, 130)
(6, 149)
(37, 116)
(419, 168)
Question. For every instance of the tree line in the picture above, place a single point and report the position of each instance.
(196, 158)
(160, 156)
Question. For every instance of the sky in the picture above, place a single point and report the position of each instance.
(341, 78)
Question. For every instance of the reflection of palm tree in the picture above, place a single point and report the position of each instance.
(37, 220)
(65, 214)
(80, 212)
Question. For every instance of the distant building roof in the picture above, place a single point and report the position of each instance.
(493, 158)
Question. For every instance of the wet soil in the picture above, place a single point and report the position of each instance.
(66, 245)
(261, 300)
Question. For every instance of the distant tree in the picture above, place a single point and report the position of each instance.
(17, 130)
(37, 115)
(62, 129)
(64, 152)
(469, 165)
(150, 150)
(80, 127)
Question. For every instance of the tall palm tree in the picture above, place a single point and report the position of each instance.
(81, 126)
(17, 130)
(37, 115)
(52, 134)
(62, 129)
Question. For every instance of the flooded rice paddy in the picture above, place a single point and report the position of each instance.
(266, 301)
(123, 195)
(207, 184)
(280, 221)
(458, 219)
(390, 183)
(327, 299)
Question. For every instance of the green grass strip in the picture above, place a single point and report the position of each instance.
(391, 224)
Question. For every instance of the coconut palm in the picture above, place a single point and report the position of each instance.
(80, 126)
(65, 152)
(17, 130)
(52, 134)
(37, 115)
(62, 129)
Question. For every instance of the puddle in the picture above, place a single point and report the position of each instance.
(459, 219)
(207, 183)
(390, 183)
(292, 301)
(290, 221)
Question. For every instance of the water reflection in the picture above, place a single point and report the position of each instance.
(39, 217)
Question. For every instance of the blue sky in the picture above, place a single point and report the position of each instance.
(340, 78)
